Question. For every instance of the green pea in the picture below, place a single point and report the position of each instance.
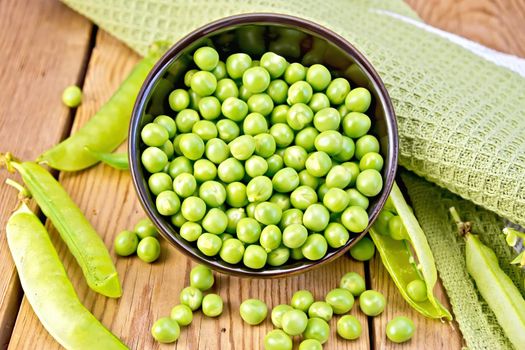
(299, 115)
(275, 163)
(203, 83)
(371, 160)
(179, 99)
(255, 257)
(220, 70)
(250, 210)
(318, 163)
(321, 309)
(244, 93)
(363, 250)
(307, 179)
(301, 300)
(178, 219)
(336, 200)
(318, 76)
(165, 330)
(259, 189)
(212, 305)
(190, 231)
(291, 216)
(349, 327)
(279, 114)
(353, 282)
(234, 215)
(296, 254)
(226, 88)
(372, 303)
(294, 322)
(327, 119)
(282, 134)
(230, 170)
(215, 221)
(212, 193)
(294, 235)
(310, 344)
(268, 213)
(338, 177)
(322, 190)
(204, 170)
(72, 96)
(302, 197)
(355, 219)
(356, 125)
(254, 124)
(400, 329)
(417, 290)
(299, 92)
(209, 244)
(194, 100)
(167, 123)
(329, 141)
(191, 297)
(355, 198)
(217, 150)
(237, 64)
(294, 72)
(366, 144)
(336, 235)
(232, 251)
(347, 151)
(277, 340)
(341, 300)
(180, 165)
(278, 312)
(228, 130)
(187, 77)
(317, 329)
(270, 238)
(358, 100)
(318, 102)
(154, 159)
(264, 145)
(315, 247)
(206, 58)
(201, 277)
(256, 79)
(282, 200)
(191, 146)
(242, 147)
(234, 109)
(148, 249)
(337, 90)
(154, 134)
(248, 230)
(396, 228)
(274, 64)
(278, 257)
(306, 138)
(278, 91)
(369, 182)
(260, 103)
(126, 243)
(285, 180)
(316, 217)
(193, 208)
(185, 185)
(182, 314)
(159, 182)
(167, 203)
(381, 223)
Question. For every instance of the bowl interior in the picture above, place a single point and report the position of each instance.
(297, 40)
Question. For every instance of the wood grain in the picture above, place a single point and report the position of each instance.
(499, 24)
(32, 116)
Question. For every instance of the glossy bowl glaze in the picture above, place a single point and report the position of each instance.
(298, 40)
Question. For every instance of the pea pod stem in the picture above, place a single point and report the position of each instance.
(80, 237)
(496, 288)
(107, 129)
(118, 161)
(48, 289)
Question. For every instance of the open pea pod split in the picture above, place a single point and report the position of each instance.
(403, 266)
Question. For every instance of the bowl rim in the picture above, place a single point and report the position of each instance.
(261, 18)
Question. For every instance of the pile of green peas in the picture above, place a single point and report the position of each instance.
(167, 329)
(264, 161)
(306, 317)
(142, 240)
(389, 224)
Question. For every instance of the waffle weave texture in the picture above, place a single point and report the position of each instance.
(461, 118)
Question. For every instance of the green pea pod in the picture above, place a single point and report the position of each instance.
(400, 263)
(502, 296)
(48, 289)
(107, 129)
(81, 238)
(118, 161)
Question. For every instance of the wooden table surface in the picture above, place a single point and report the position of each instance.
(44, 47)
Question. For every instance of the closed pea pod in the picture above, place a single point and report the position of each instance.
(502, 296)
(118, 161)
(48, 289)
(82, 240)
(107, 129)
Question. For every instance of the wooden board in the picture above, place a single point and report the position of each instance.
(109, 201)
(43, 46)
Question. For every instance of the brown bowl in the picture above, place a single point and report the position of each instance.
(296, 39)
